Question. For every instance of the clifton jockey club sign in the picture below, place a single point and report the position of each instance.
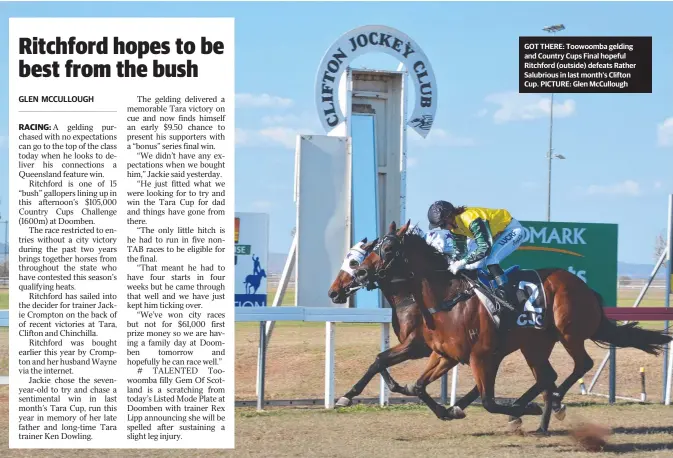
(369, 39)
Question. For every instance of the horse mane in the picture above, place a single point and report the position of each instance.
(418, 244)
(439, 265)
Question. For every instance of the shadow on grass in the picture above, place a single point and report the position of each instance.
(531, 434)
(627, 430)
(634, 447)
(645, 430)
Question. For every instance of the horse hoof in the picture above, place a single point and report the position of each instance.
(532, 409)
(541, 433)
(456, 412)
(560, 414)
(514, 425)
(343, 402)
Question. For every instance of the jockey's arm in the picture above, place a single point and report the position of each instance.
(460, 245)
(443, 242)
(483, 240)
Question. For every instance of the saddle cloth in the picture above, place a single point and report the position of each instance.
(531, 300)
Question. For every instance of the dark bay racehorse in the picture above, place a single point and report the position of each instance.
(407, 321)
(467, 333)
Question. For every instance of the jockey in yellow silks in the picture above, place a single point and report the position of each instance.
(493, 233)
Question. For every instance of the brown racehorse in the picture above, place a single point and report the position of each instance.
(466, 333)
(407, 321)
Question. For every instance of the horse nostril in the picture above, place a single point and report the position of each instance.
(332, 294)
(361, 273)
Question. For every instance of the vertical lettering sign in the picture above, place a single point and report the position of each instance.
(369, 39)
(237, 225)
(252, 251)
(586, 250)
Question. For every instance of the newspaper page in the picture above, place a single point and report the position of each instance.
(385, 151)
(121, 210)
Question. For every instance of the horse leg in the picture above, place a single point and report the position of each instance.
(455, 411)
(582, 364)
(545, 376)
(484, 369)
(436, 367)
(395, 355)
(466, 400)
(537, 357)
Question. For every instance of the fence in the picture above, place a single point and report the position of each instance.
(639, 283)
(4, 237)
(328, 315)
(333, 315)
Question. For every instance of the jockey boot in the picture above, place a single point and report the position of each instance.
(505, 291)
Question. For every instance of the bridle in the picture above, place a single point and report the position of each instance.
(350, 266)
(388, 270)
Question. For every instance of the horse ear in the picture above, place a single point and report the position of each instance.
(392, 228)
(363, 241)
(371, 244)
(404, 228)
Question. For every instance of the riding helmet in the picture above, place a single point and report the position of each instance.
(438, 212)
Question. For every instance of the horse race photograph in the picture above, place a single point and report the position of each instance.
(453, 229)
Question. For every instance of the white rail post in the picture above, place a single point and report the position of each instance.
(261, 365)
(384, 394)
(454, 384)
(280, 294)
(329, 364)
(669, 377)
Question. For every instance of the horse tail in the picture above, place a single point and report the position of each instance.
(629, 335)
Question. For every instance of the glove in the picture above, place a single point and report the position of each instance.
(456, 266)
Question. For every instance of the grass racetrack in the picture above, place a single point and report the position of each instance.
(403, 431)
(295, 366)
(4, 299)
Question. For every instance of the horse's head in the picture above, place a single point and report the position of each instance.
(386, 259)
(262, 272)
(344, 285)
(401, 254)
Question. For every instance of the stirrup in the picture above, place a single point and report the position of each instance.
(500, 301)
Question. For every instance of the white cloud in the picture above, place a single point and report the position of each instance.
(481, 113)
(262, 101)
(625, 188)
(658, 184)
(523, 107)
(665, 132)
(440, 138)
(412, 162)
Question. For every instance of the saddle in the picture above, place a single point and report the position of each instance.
(531, 301)
(531, 306)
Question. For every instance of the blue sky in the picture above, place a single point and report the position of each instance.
(488, 144)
